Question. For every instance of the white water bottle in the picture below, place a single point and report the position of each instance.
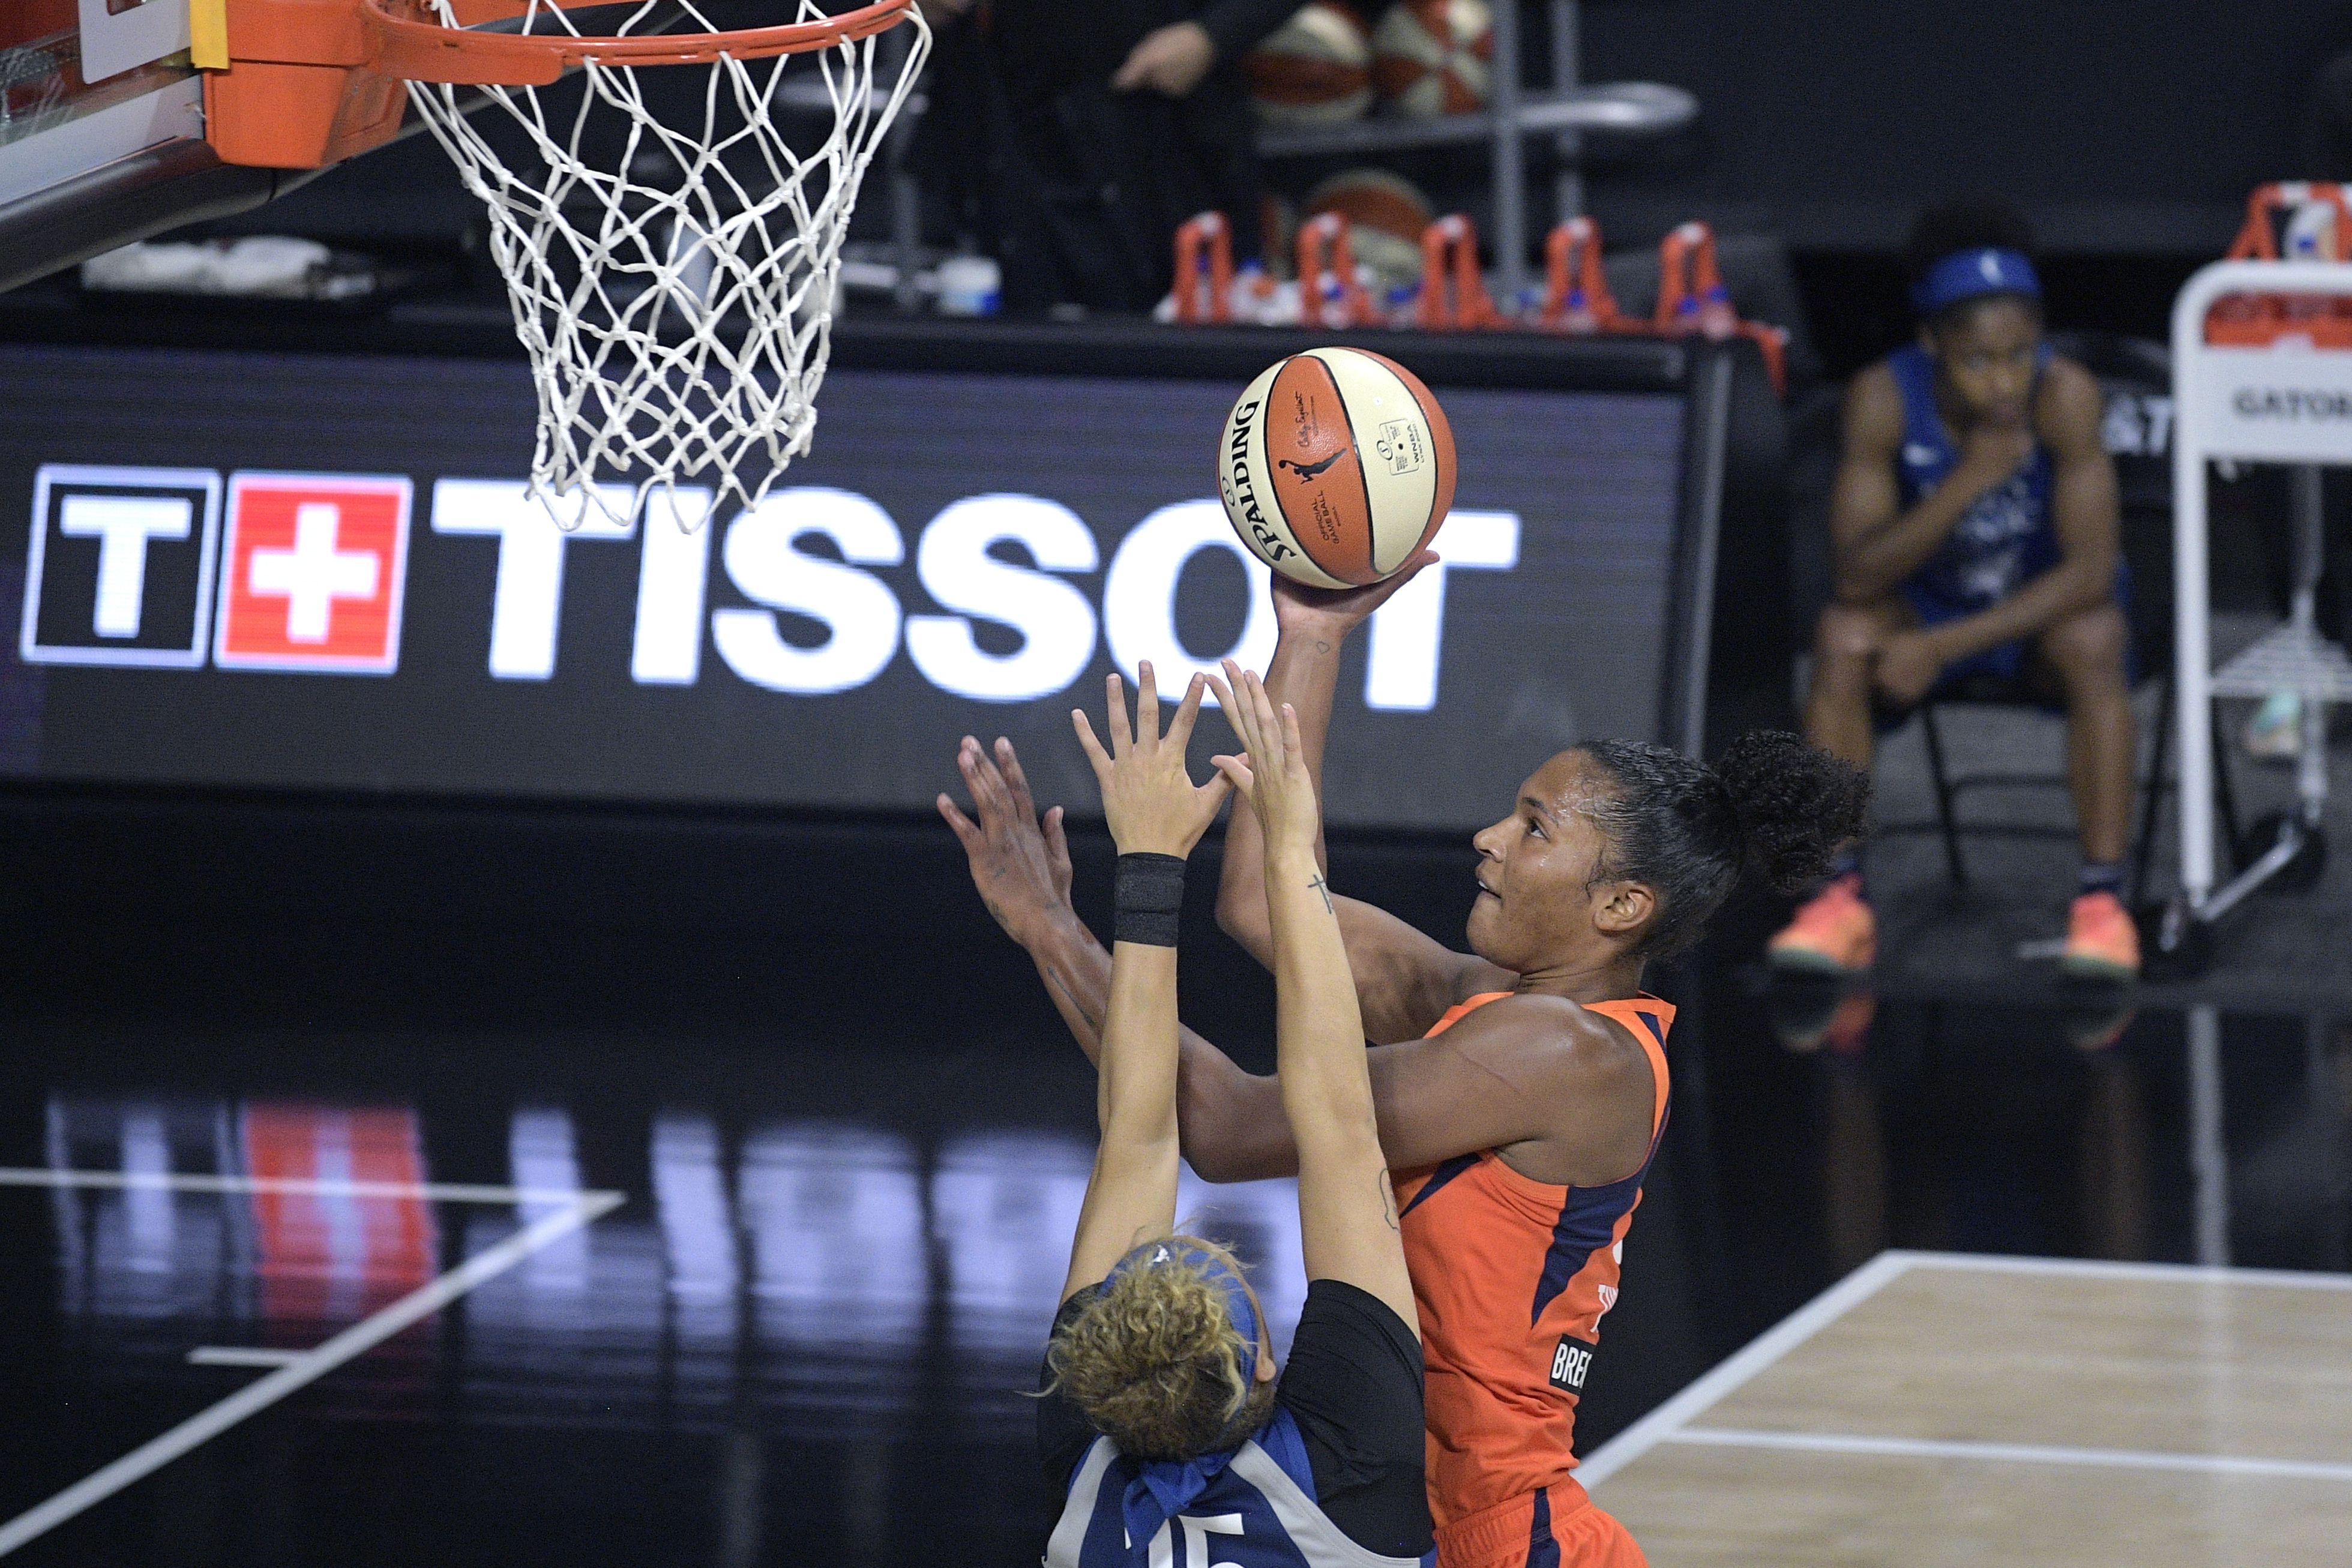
(971, 285)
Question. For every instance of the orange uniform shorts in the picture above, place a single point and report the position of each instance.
(1556, 1528)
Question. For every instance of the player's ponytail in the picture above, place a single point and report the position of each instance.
(1796, 804)
(1771, 804)
(1156, 1364)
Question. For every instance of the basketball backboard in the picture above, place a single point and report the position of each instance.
(102, 133)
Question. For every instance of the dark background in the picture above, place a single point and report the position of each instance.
(2120, 129)
(2130, 128)
(2129, 135)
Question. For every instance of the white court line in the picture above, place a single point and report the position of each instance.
(2011, 1453)
(242, 1356)
(579, 1208)
(1760, 1353)
(1669, 1422)
(2156, 1273)
(438, 1191)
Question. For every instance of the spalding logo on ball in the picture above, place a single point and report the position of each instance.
(1337, 468)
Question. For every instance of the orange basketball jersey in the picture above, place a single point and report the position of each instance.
(1511, 1276)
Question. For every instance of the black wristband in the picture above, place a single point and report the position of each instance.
(1148, 898)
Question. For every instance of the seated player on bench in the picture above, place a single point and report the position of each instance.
(1976, 547)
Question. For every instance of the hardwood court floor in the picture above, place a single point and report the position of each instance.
(1937, 1409)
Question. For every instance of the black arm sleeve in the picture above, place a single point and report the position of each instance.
(1237, 25)
(1063, 1434)
(1353, 1385)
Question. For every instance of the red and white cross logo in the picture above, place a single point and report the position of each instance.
(313, 571)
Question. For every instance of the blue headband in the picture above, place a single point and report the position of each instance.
(1162, 1488)
(1972, 275)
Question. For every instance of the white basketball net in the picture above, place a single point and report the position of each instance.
(673, 277)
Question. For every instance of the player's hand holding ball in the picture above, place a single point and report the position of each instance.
(1273, 776)
(1149, 801)
(1333, 613)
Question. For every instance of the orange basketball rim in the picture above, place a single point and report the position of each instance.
(301, 84)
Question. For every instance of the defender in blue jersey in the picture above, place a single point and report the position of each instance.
(1162, 1424)
(1977, 544)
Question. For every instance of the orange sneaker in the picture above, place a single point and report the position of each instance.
(1834, 933)
(2101, 942)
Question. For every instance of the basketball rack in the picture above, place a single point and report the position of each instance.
(1564, 112)
(2274, 392)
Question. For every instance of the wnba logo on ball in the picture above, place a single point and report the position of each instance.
(1306, 471)
(1401, 446)
(806, 593)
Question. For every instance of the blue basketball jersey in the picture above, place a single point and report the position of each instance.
(2002, 541)
(1259, 1512)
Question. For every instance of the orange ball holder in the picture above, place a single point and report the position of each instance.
(2258, 320)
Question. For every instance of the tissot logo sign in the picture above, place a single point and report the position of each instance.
(121, 567)
(312, 573)
(809, 553)
(313, 568)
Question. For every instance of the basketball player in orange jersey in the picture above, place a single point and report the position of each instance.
(1522, 1087)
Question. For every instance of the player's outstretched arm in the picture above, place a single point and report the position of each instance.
(1020, 863)
(1156, 816)
(1404, 981)
(1435, 1098)
(1347, 1209)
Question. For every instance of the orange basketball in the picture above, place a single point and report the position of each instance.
(1432, 57)
(1314, 69)
(1337, 466)
(1386, 214)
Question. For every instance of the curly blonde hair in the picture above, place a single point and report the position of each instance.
(1155, 1363)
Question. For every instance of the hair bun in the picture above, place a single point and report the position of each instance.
(1795, 802)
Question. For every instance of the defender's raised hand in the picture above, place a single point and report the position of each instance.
(1019, 862)
(1273, 776)
(1149, 799)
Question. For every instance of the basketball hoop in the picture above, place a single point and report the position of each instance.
(672, 254)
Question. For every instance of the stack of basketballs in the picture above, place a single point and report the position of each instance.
(1328, 67)
(1325, 67)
